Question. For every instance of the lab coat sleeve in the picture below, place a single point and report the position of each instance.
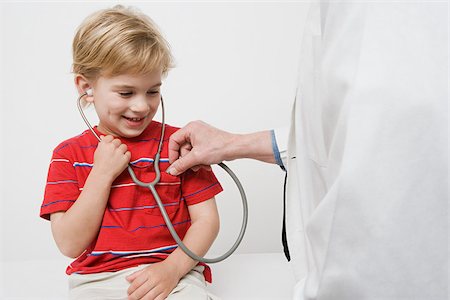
(279, 145)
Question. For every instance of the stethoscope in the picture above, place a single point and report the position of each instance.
(151, 186)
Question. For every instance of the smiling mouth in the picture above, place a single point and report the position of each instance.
(134, 119)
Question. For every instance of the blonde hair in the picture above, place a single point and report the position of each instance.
(119, 40)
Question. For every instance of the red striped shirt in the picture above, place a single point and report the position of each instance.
(133, 231)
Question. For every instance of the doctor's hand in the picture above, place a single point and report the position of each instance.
(154, 282)
(198, 145)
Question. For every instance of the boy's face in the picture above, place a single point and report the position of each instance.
(126, 104)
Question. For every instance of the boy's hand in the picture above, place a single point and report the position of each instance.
(111, 157)
(155, 282)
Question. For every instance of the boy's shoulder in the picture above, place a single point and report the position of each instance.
(155, 129)
(171, 129)
(82, 140)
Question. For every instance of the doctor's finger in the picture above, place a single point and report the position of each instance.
(176, 142)
(183, 163)
(185, 149)
(206, 167)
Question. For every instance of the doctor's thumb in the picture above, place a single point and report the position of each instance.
(178, 166)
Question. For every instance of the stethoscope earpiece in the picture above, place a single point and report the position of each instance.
(89, 92)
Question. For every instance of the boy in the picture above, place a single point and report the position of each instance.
(98, 215)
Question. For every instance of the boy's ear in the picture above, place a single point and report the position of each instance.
(83, 85)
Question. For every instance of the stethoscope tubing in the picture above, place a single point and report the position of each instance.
(151, 187)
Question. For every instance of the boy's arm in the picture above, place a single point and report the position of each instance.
(160, 279)
(76, 228)
(200, 236)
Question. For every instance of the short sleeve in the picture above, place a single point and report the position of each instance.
(199, 186)
(61, 189)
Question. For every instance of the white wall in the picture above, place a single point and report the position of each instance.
(2, 198)
(236, 69)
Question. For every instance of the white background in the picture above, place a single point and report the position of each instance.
(236, 69)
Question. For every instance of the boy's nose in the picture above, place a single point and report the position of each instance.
(139, 104)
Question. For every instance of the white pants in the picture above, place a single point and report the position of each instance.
(114, 286)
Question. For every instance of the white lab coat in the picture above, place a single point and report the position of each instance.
(367, 153)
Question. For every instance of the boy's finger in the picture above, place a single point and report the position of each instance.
(133, 276)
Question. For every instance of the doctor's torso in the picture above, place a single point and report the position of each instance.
(367, 166)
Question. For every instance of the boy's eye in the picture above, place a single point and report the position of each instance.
(153, 92)
(125, 94)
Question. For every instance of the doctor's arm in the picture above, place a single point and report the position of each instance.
(200, 144)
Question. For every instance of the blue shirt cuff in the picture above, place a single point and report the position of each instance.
(276, 151)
